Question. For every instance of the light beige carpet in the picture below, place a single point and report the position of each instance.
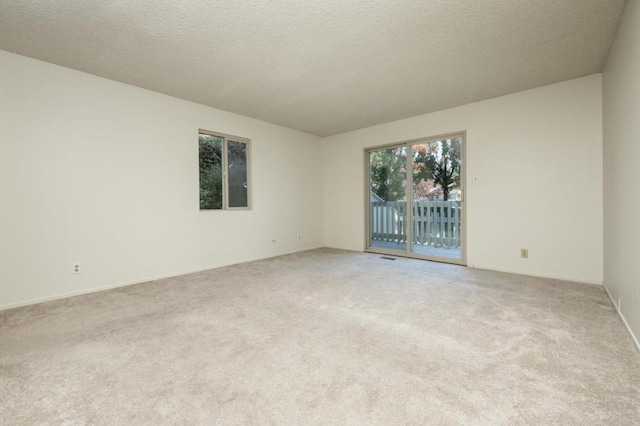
(323, 337)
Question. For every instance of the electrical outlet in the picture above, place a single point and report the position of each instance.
(76, 268)
(524, 253)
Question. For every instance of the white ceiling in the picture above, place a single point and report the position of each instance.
(323, 67)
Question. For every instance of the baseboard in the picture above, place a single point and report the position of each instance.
(622, 319)
(553, 277)
(489, 268)
(140, 281)
(345, 249)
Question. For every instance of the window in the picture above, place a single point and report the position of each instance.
(224, 171)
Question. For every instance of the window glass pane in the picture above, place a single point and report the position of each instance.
(237, 160)
(210, 172)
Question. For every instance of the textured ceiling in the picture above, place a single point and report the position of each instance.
(323, 67)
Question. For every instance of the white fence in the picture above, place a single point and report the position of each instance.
(435, 223)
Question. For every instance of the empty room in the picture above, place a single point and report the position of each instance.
(337, 212)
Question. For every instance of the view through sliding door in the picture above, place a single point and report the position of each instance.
(415, 204)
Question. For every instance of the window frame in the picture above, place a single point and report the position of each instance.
(225, 170)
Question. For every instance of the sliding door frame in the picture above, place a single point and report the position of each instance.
(409, 191)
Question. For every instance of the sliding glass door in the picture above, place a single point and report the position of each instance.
(415, 204)
(388, 198)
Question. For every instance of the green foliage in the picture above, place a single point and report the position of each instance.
(435, 164)
(388, 173)
(210, 153)
(439, 161)
(237, 159)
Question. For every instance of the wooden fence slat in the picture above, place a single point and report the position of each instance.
(429, 220)
(440, 224)
(445, 224)
(417, 232)
(399, 223)
(439, 243)
(456, 227)
(389, 224)
(449, 225)
(402, 220)
(380, 222)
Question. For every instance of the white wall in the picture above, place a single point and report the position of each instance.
(622, 167)
(106, 174)
(537, 156)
